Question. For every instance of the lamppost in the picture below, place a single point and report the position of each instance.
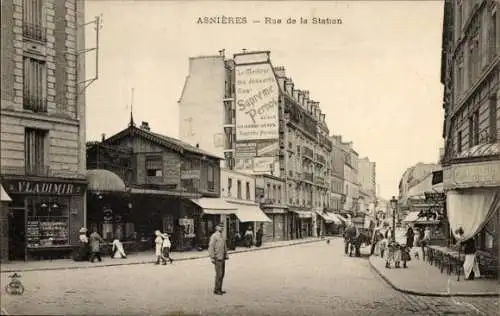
(394, 205)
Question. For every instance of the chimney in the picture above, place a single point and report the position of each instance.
(280, 71)
(103, 137)
(289, 86)
(244, 50)
(145, 126)
(222, 52)
(197, 145)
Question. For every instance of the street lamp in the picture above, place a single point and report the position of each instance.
(394, 205)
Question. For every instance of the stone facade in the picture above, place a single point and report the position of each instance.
(45, 98)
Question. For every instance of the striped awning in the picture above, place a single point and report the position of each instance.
(104, 181)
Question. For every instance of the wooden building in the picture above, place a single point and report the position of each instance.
(140, 181)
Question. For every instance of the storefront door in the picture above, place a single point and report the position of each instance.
(17, 234)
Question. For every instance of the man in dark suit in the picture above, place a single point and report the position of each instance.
(217, 251)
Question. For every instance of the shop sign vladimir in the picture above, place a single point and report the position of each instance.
(43, 187)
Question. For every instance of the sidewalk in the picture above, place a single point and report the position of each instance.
(145, 257)
(421, 278)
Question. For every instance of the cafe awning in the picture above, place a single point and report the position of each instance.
(4, 197)
(101, 180)
(303, 214)
(413, 217)
(215, 206)
(250, 213)
(330, 217)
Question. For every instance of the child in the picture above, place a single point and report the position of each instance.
(158, 248)
(166, 248)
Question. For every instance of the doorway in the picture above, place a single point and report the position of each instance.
(17, 234)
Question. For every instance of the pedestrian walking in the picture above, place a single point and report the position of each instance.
(83, 252)
(166, 245)
(217, 251)
(158, 248)
(248, 238)
(95, 245)
(259, 235)
(117, 251)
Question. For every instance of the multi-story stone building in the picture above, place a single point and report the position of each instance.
(239, 189)
(367, 185)
(471, 163)
(351, 183)
(42, 125)
(337, 158)
(251, 112)
(140, 181)
(270, 192)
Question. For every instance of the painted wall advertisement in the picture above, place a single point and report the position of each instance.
(257, 119)
(257, 94)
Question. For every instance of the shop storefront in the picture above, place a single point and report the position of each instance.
(4, 224)
(331, 222)
(276, 228)
(44, 217)
(211, 212)
(304, 223)
(474, 186)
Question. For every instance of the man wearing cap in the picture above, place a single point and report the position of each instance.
(217, 251)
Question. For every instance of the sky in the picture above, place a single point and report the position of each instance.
(376, 75)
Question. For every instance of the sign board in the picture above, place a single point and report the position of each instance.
(263, 164)
(245, 150)
(43, 187)
(190, 174)
(257, 94)
(469, 175)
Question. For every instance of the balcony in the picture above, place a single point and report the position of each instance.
(154, 180)
(37, 170)
(307, 176)
(34, 32)
(211, 186)
(307, 152)
(35, 104)
(320, 181)
(321, 159)
(269, 201)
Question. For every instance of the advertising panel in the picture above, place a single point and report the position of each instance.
(257, 94)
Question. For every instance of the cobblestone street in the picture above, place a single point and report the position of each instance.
(309, 279)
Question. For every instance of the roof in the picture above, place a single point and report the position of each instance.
(166, 141)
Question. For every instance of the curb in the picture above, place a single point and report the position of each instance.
(434, 294)
(194, 257)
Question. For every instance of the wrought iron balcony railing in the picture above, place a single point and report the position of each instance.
(35, 32)
(35, 104)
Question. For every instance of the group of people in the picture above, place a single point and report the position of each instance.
(90, 247)
(397, 252)
(162, 248)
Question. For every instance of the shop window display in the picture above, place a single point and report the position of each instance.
(48, 222)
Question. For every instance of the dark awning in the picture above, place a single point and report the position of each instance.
(101, 180)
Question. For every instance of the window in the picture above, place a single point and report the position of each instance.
(493, 119)
(279, 194)
(268, 191)
(476, 127)
(459, 142)
(229, 185)
(47, 222)
(274, 192)
(248, 190)
(460, 75)
(492, 36)
(35, 85)
(154, 167)
(33, 20)
(34, 146)
(211, 178)
(239, 189)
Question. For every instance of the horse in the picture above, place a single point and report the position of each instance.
(353, 241)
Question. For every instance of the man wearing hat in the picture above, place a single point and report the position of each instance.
(217, 251)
